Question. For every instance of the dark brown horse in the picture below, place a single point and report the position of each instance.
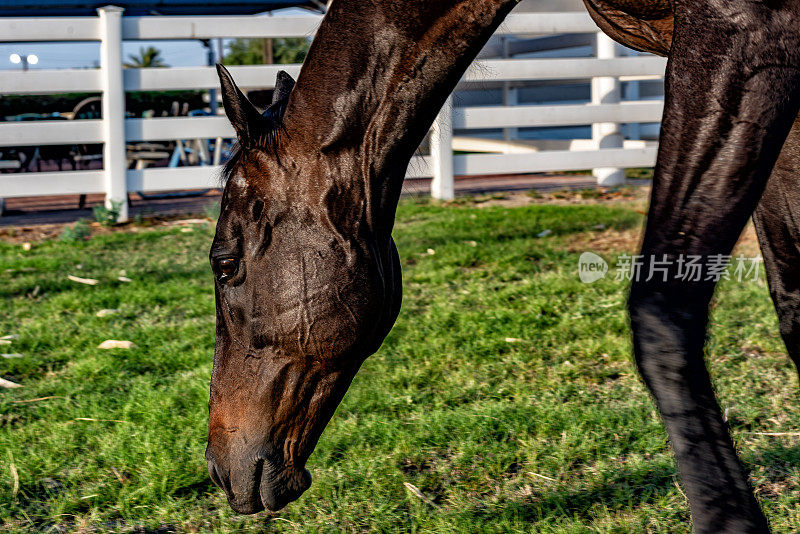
(308, 278)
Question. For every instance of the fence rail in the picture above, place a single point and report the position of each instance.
(110, 28)
(212, 27)
(263, 76)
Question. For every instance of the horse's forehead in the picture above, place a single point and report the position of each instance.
(248, 180)
(237, 183)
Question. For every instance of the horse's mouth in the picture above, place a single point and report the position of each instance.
(275, 494)
(267, 489)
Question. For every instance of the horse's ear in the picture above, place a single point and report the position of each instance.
(283, 86)
(245, 118)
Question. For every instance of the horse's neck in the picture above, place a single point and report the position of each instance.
(376, 76)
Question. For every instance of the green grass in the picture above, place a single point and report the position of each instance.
(552, 432)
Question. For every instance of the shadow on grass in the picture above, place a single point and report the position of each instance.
(626, 487)
(777, 456)
(774, 470)
(629, 488)
(196, 489)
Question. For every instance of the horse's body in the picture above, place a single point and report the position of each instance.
(308, 279)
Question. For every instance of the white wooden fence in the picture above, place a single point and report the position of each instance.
(115, 180)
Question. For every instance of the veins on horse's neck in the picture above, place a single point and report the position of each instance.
(374, 80)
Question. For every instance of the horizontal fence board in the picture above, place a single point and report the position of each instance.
(263, 76)
(209, 27)
(167, 129)
(642, 78)
(552, 161)
(36, 133)
(43, 29)
(204, 27)
(170, 128)
(560, 115)
(20, 30)
(47, 81)
(420, 167)
(532, 23)
(185, 78)
(51, 183)
(563, 68)
(166, 178)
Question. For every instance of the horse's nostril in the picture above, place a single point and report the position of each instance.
(216, 476)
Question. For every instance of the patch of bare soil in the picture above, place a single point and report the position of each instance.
(606, 241)
(748, 243)
(629, 241)
(563, 197)
(44, 232)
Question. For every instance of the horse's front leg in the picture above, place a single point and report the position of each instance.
(733, 90)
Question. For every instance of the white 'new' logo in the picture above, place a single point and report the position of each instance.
(591, 267)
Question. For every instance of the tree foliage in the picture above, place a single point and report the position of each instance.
(251, 51)
(148, 57)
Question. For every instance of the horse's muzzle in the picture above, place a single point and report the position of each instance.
(251, 488)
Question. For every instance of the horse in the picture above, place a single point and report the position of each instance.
(307, 277)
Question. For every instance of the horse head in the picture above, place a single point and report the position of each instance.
(305, 291)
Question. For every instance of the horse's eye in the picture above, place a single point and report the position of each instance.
(226, 268)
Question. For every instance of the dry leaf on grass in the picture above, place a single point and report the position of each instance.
(107, 311)
(115, 344)
(124, 279)
(9, 356)
(15, 477)
(793, 434)
(186, 221)
(100, 420)
(24, 401)
(417, 493)
(87, 281)
(121, 477)
(531, 473)
(8, 384)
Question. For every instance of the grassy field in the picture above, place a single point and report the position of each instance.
(505, 393)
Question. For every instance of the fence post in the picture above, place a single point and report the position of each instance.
(114, 159)
(607, 90)
(442, 186)
(632, 92)
(510, 98)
